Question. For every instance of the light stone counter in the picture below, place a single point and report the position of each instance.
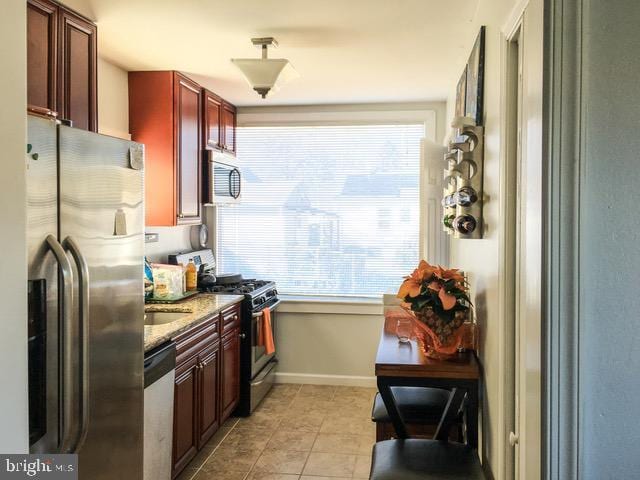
(196, 311)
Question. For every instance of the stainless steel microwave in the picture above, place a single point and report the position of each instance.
(223, 178)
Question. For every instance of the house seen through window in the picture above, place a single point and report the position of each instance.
(325, 210)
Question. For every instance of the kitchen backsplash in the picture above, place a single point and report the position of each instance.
(171, 240)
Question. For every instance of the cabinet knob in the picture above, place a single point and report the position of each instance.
(180, 215)
(513, 439)
(242, 336)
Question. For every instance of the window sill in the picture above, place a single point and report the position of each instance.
(331, 305)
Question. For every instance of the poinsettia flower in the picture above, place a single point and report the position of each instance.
(412, 285)
(449, 274)
(426, 269)
(435, 286)
(448, 300)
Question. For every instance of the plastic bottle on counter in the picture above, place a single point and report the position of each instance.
(192, 276)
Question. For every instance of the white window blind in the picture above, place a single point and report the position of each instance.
(325, 210)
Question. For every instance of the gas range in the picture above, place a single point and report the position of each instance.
(261, 293)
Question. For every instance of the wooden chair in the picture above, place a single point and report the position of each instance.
(421, 408)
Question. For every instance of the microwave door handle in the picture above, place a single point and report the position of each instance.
(66, 343)
(233, 192)
(83, 271)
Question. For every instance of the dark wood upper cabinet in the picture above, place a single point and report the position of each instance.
(185, 414)
(228, 121)
(77, 85)
(230, 393)
(165, 115)
(42, 55)
(211, 116)
(62, 64)
(188, 139)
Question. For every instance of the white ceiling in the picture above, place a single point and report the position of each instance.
(346, 51)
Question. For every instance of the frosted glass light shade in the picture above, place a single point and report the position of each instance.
(265, 75)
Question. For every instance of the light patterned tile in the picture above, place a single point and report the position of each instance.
(280, 461)
(260, 420)
(296, 440)
(308, 422)
(271, 476)
(348, 425)
(341, 443)
(363, 466)
(231, 459)
(330, 464)
(248, 437)
(315, 477)
(220, 475)
(317, 391)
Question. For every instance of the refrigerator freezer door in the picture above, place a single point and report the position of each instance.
(42, 221)
(102, 214)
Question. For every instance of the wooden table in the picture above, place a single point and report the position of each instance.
(405, 364)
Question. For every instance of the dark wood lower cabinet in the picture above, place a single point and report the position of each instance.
(185, 411)
(209, 419)
(231, 376)
(207, 385)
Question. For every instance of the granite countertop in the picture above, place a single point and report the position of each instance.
(196, 310)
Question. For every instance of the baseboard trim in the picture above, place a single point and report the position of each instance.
(313, 379)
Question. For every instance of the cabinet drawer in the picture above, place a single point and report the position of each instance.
(230, 318)
(192, 341)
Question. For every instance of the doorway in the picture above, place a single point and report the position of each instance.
(513, 219)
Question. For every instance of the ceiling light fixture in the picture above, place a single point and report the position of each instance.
(265, 75)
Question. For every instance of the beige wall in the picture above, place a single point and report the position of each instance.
(327, 347)
(113, 100)
(13, 279)
(482, 258)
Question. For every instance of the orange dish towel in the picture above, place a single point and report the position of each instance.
(267, 332)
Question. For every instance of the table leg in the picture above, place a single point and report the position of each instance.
(384, 388)
(472, 415)
(450, 414)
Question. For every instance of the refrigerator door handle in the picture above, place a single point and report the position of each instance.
(83, 270)
(66, 344)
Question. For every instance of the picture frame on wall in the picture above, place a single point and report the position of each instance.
(475, 80)
(461, 94)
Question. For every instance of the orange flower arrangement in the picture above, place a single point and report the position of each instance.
(442, 290)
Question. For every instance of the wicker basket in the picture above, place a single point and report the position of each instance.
(438, 338)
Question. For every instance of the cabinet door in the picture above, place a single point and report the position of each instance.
(42, 39)
(187, 102)
(77, 80)
(230, 373)
(229, 127)
(185, 415)
(209, 378)
(212, 113)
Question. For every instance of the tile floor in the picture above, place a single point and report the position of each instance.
(299, 432)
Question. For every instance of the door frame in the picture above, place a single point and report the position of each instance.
(512, 35)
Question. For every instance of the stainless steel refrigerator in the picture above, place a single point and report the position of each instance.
(85, 216)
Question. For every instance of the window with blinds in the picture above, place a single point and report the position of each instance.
(325, 210)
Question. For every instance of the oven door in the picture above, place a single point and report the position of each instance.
(259, 357)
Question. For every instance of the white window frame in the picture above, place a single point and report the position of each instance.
(348, 115)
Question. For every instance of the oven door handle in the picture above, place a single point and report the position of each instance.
(264, 374)
(271, 307)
